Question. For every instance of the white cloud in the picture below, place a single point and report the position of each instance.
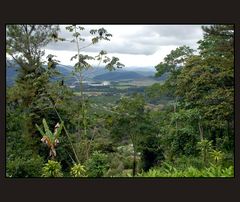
(135, 45)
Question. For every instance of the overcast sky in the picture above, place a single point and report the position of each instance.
(134, 45)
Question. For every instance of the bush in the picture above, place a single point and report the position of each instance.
(23, 167)
(52, 169)
(78, 170)
(97, 165)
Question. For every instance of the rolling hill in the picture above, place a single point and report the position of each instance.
(95, 74)
(118, 76)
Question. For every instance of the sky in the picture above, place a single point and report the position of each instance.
(135, 45)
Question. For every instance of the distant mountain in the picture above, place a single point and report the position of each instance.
(91, 73)
(141, 69)
(12, 72)
(98, 73)
(161, 78)
(117, 76)
(64, 70)
(88, 74)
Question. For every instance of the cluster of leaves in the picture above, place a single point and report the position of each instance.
(170, 171)
(52, 169)
(78, 170)
(49, 138)
(82, 61)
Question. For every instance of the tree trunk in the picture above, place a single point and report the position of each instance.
(228, 128)
(214, 136)
(205, 157)
(175, 110)
(200, 130)
(220, 133)
(134, 162)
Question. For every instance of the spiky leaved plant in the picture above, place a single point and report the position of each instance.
(52, 169)
(78, 170)
(49, 138)
(217, 155)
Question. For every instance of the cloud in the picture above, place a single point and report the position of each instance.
(129, 60)
(134, 45)
(170, 35)
(135, 39)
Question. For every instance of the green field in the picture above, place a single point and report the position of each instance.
(138, 83)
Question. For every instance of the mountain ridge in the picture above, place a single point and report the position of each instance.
(90, 74)
(116, 76)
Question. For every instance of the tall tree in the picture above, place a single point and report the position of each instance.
(128, 122)
(24, 44)
(206, 82)
(83, 63)
(172, 65)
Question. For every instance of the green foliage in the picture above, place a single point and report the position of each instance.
(22, 160)
(85, 123)
(174, 60)
(97, 165)
(78, 170)
(29, 94)
(228, 160)
(184, 161)
(206, 81)
(205, 147)
(129, 122)
(203, 88)
(129, 115)
(173, 63)
(24, 167)
(52, 169)
(170, 171)
(98, 35)
(217, 156)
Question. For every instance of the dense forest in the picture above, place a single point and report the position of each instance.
(182, 127)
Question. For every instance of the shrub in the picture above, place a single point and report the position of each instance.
(97, 165)
(52, 169)
(218, 171)
(78, 170)
(217, 156)
(205, 146)
(23, 167)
